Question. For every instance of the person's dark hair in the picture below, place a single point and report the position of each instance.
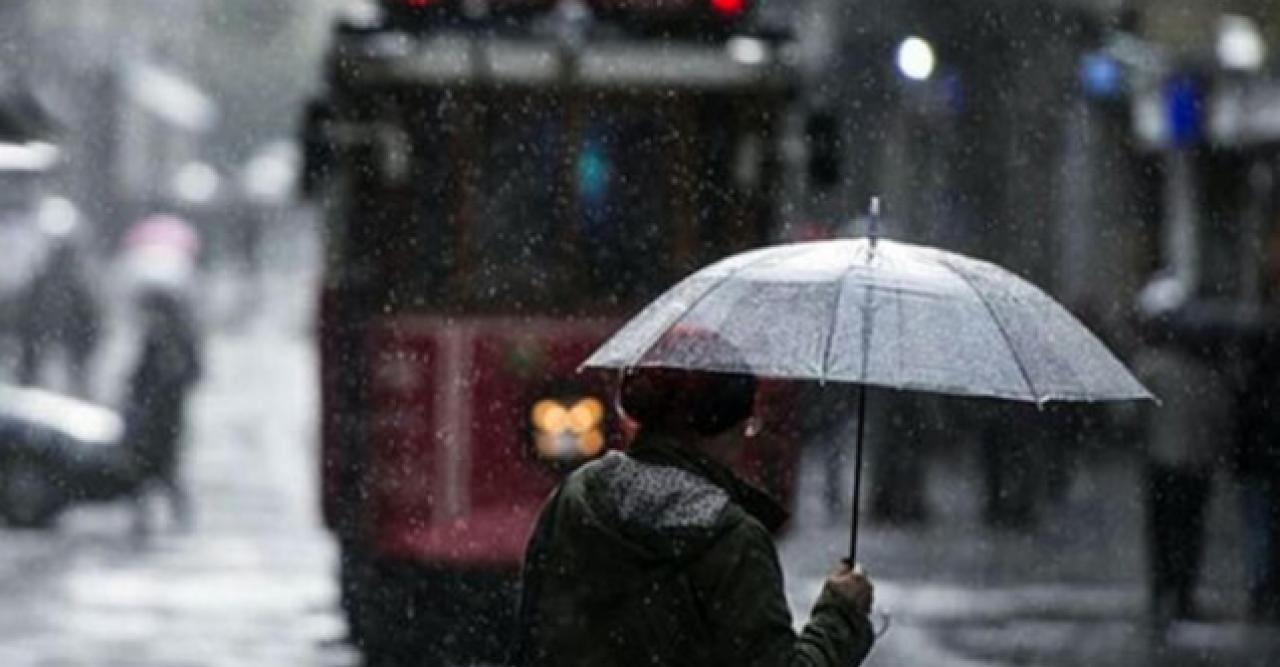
(687, 402)
(679, 401)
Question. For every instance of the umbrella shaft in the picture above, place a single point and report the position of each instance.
(857, 472)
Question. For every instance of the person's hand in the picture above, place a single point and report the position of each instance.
(852, 584)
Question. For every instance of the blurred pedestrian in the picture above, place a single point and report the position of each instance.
(900, 427)
(812, 416)
(662, 556)
(1010, 436)
(1185, 437)
(1257, 465)
(1067, 430)
(167, 368)
(58, 310)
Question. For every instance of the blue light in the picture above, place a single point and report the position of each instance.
(1184, 110)
(1101, 76)
(593, 173)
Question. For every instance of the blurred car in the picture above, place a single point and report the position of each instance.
(56, 451)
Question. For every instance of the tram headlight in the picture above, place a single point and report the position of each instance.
(568, 430)
(549, 416)
(585, 416)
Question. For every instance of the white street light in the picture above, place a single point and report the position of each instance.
(1240, 45)
(196, 183)
(916, 59)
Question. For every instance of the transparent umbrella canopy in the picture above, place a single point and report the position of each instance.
(876, 313)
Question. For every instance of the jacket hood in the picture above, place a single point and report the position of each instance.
(659, 512)
(662, 501)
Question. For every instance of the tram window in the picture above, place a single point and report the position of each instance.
(513, 230)
(730, 194)
(433, 224)
(623, 201)
(538, 204)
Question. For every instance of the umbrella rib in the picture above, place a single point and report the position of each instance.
(1008, 340)
(835, 320)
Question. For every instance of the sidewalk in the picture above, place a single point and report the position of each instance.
(1071, 592)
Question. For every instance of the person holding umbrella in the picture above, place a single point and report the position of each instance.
(662, 556)
(868, 312)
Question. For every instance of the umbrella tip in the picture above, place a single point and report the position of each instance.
(874, 220)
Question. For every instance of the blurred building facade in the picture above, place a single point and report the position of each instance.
(1024, 142)
(995, 149)
(114, 75)
(1096, 147)
(159, 100)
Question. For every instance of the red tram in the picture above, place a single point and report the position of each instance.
(503, 183)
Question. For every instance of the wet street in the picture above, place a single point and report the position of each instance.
(1069, 592)
(251, 583)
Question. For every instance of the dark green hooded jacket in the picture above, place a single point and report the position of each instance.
(660, 557)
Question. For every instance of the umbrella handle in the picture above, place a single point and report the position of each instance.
(857, 473)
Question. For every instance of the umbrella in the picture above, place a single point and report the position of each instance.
(161, 252)
(876, 313)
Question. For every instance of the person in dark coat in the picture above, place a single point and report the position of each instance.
(59, 310)
(662, 556)
(1185, 344)
(167, 367)
(1185, 435)
(1257, 466)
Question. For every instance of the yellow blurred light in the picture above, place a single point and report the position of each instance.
(591, 443)
(568, 432)
(585, 415)
(549, 416)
